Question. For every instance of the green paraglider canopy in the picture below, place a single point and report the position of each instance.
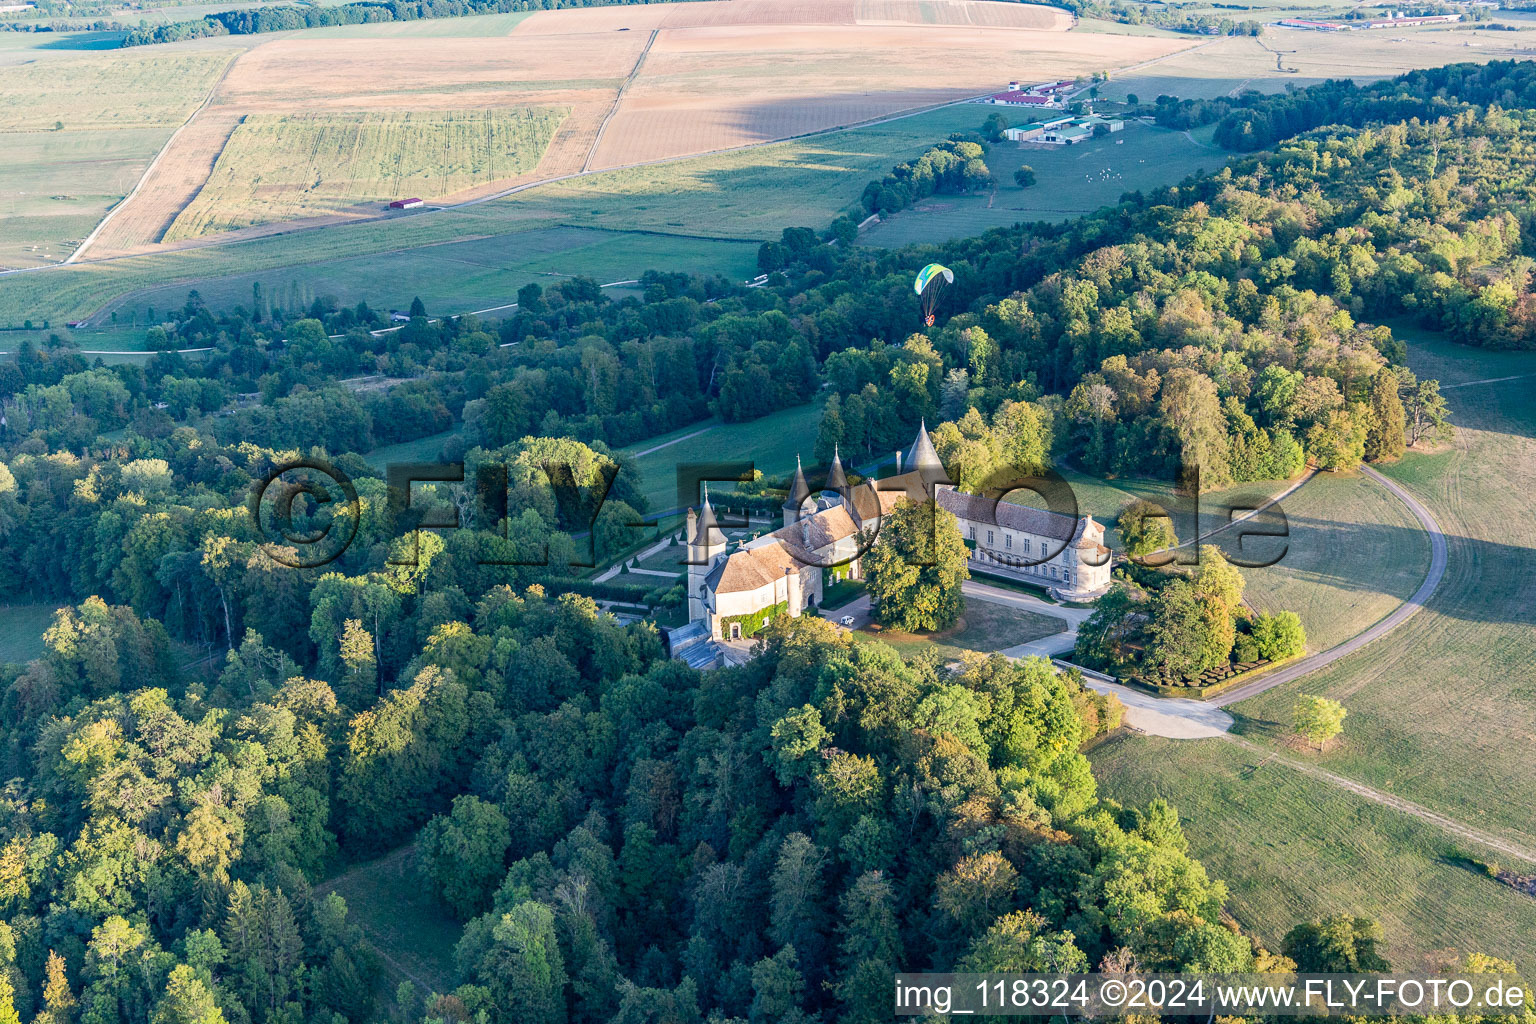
(930, 281)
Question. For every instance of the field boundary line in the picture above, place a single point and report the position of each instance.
(618, 98)
(1393, 801)
(139, 185)
(1401, 614)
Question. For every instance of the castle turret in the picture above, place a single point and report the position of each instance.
(921, 457)
(837, 480)
(706, 544)
(799, 491)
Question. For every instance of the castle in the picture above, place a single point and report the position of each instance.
(733, 592)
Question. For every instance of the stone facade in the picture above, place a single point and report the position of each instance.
(732, 591)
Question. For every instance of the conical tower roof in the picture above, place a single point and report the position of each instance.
(709, 533)
(837, 480)
(921, 458)
(799, 490)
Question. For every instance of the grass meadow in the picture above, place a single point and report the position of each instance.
(423, 449)
(281, 167)
(1294, 848)
(59, 184)
(1445, 712)
(463, 276)
(132, 89)
(1071, 181)
(680, 207)
(77, 132)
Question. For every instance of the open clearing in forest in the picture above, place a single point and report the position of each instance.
(412, 933)
(770, 444)
(281, 167)
(1293, 848)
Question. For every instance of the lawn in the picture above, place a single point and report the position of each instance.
(1071, 181)
(413, 934)
(286, 166)
(21, 630)
(984, 628)
(1354, 554)
(1292, 848)
(770, 444)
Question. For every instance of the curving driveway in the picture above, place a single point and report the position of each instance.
(1183, 718)
(1404, 612)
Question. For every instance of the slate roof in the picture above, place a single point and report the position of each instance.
(1041, 523)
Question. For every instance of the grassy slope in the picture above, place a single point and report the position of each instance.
(1293, 848)
(1445, 713)
(413, 934)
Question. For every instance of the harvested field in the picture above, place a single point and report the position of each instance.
(1228, 66)
(278, 167)
(421, 74)
(707, 88)
(960, 12)
(175, 183)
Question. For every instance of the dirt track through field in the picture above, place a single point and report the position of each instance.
(1397, 803)
(597, 140)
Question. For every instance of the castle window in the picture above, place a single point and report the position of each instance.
(990, 541)
(1026, 545)
(1008, 542)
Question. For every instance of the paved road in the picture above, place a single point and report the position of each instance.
(1177, 718)
(1404, 612)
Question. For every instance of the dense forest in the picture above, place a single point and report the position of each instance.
(627, 839)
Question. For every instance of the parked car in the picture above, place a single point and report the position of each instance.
(846, 620)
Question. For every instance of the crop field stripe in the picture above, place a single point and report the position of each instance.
(153, 164)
